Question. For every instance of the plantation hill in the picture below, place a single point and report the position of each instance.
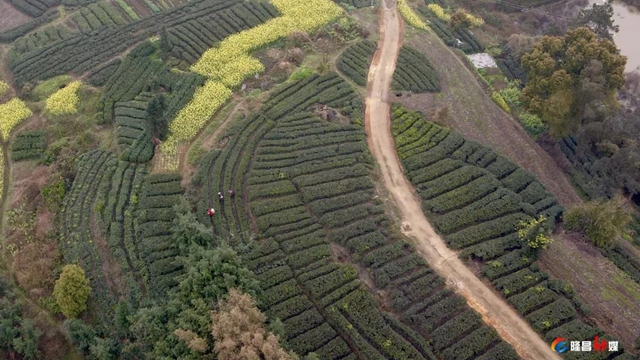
(286, 179)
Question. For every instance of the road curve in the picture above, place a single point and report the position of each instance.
(494, 310)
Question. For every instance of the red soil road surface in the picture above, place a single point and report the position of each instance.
(495, 312)
(10, 17)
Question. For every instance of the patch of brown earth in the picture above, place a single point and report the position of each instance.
(10, 17)
(613, 298)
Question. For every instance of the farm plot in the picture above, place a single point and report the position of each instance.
(307, 186)
(461, 38)
(46, 36)
(116, 204)
(151, 233)
(77, 236)
(133, 128)
(193, 37)
(28, 145)
(9, 30)
(512, 70)
(80, 53)
(476, 199)
(34, 8)
(413, 70)
(131, 78)
(355, 60)
(97, 15)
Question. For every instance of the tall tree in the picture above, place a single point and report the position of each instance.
(601, 221)
(239, 331)
(72, 291)
(599, 19)
(572, 79)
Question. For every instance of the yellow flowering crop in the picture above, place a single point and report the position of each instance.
(190, 119)
(3, 87)
(11, 114)
(439, 12)
(475, 21)
(297, 15)
(64, 101)
(229, 64)
(410, 16)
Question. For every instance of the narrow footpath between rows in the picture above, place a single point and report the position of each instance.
(494, 310)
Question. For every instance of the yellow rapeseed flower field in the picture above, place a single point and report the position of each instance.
(64, 101)
(439, 12)
(230, 63)
(190, 119)
(410, 16)
(3, 87)
(475, 21)
(11, 114)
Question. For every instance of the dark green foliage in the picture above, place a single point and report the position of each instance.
(134, 130)
(155, 115)
(414, 72)
(501, 351)
(354, 61)
(552, 315)
(132, 77)
(468, 43)
(154, 241)
(34, 8)
(356, 3)
(101, 75)
(519, 281)
(83, 52)
(308, 185)
(624, 260)
(532, 299)
(455, 327)
(97, 15)
(190, 39)
(477, 199)
(76, 235)
(46, 36)
(472, 345)
(28, 145)
(512, 70)
(18, 336)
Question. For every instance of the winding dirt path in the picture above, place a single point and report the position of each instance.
(495, 312)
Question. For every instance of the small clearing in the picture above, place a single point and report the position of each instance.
(10, 17)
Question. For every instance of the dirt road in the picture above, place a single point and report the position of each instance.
(493, 309)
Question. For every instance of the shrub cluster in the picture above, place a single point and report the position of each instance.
(355, 60)
(414, 72)
(28, 145)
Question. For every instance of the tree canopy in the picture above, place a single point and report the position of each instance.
(239, 331)
(598, 18)
(601, 221)
(72, 291)
(572, 79)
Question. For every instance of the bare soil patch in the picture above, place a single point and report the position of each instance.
(11, 17)
(110, 267)
(613, 298)
(141, 8)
